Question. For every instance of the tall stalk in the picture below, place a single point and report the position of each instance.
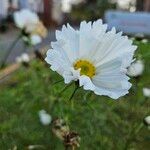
(75, 90)
(9, 50)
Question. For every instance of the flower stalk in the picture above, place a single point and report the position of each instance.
(75, 90)
(10, 49)
(39, 55)
(64, 89)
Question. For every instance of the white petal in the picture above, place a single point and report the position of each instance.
(68, 40)
(90, 35)
(71, 75)
(86, 83)
(110, 66)
(113, 45)
(115, 81)
(111, 79)
(57, 47)
(113, 93)
(55, 59)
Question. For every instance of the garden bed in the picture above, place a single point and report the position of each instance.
(101, 123)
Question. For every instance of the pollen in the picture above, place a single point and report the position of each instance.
(87, 68)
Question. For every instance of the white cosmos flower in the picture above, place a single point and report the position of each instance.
(23, 58)
(136, 68)
(96, 58)
(45, 118)
(18, 59)
(26, 19)
(35, 39)
(144, 41)
(146, 92)
(147, 120)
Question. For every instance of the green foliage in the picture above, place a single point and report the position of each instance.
(102, 123)
(91, 9)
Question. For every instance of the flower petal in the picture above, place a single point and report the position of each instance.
(55, 59)
(71, 75)
(68, 40)
(86, 83)
(109, 78)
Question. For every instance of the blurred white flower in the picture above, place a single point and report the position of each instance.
(23, 58)
(98, 59)
(35, 39)
(136, 68)
(140, 35)
(146, 92)
(32, 147)
(147, 120)
(125, 4)
(25, 39)
(45, 118)
(32, 29)
(18, 59)
(144, 41)
(25, 19)
(132, 38)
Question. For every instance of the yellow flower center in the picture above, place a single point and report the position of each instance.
(87, 68)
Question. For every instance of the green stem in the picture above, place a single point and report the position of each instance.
(9, 51)
(39, 55)
(75, 90)
(64, 89)
(57, 82)
(25, 48)
(85, 101)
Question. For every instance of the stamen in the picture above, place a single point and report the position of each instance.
(87, 68)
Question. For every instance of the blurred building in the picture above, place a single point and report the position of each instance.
(47, 8)
(147, 5)
(57, 11)
(34, 5)
(42, 7)
(143, 5)
(61, 7)
(54, 11)
(3, 8)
